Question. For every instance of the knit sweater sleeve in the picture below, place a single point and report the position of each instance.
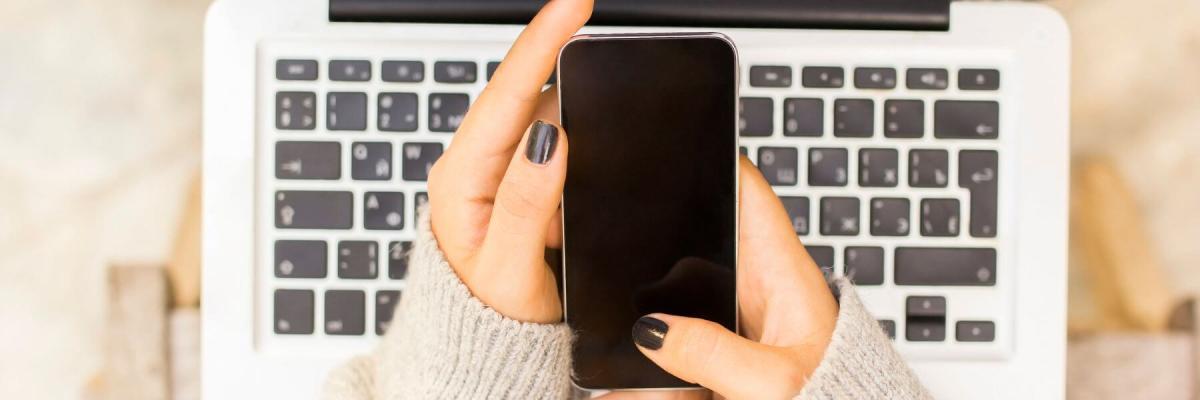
(860, 362)
(446, 344)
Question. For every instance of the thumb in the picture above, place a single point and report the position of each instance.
(705, 353)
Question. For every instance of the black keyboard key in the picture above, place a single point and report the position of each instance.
(978, 172)
(864, 265)
(454, 71)
(350, 70)
(797, 210)
(939, 217)
(927, 78)
(928, 168)
(889, 328)
(447, 110)
(925, 330)
(823, 257)
(296, 70)
(959, 119)
(345, 312)
(926, 318)
(293, 312)
(904, 118)
(295, 110)
(419, 200)
(978, 79)
(757, 116)
(779, 165)
(889, 216)
(853, 117)
(878, 168)
(803, 117)
(929, 266)
(383, 210)
(358, 259)
(302, 209)
(402, 71)
(839, 216)
(300, 258)
(770, 76)
(828, 167)
(308, 160)
(398, 254)
(492, 66)
(975, 331)
(925, 306)
(822, 77)
(417, 159)
(347, 111)
(875, 78)
(385, 307)
(398, 112)
(371, 161)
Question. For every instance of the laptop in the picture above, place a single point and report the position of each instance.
(919, 146)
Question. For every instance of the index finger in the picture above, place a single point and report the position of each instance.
(501, 114)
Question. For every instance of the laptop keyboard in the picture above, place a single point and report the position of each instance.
(889, 173)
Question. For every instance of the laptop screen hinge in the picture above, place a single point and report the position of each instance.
(923, 15)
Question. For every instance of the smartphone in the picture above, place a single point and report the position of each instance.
(650, 201)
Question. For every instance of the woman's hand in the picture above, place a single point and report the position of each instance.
(786, 310)
(494, 195)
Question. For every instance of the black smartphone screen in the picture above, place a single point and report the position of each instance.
(650, 203)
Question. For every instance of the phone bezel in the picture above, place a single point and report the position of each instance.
(736, 172)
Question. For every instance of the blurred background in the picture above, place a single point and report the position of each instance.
(100, 149)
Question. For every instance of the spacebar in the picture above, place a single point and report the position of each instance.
(945, 266)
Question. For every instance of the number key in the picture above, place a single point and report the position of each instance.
(397, 112)
(803, 117)
(447, 110)
(347, 111)
(757, 116)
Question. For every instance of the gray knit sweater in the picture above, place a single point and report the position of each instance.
(446, 344)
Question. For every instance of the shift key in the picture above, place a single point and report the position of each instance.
(930, 266)
(299, 209)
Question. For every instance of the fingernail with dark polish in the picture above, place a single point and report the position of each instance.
(649, 332)
(543, 138)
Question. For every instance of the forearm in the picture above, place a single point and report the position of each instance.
(860, 362)
(444, 343)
